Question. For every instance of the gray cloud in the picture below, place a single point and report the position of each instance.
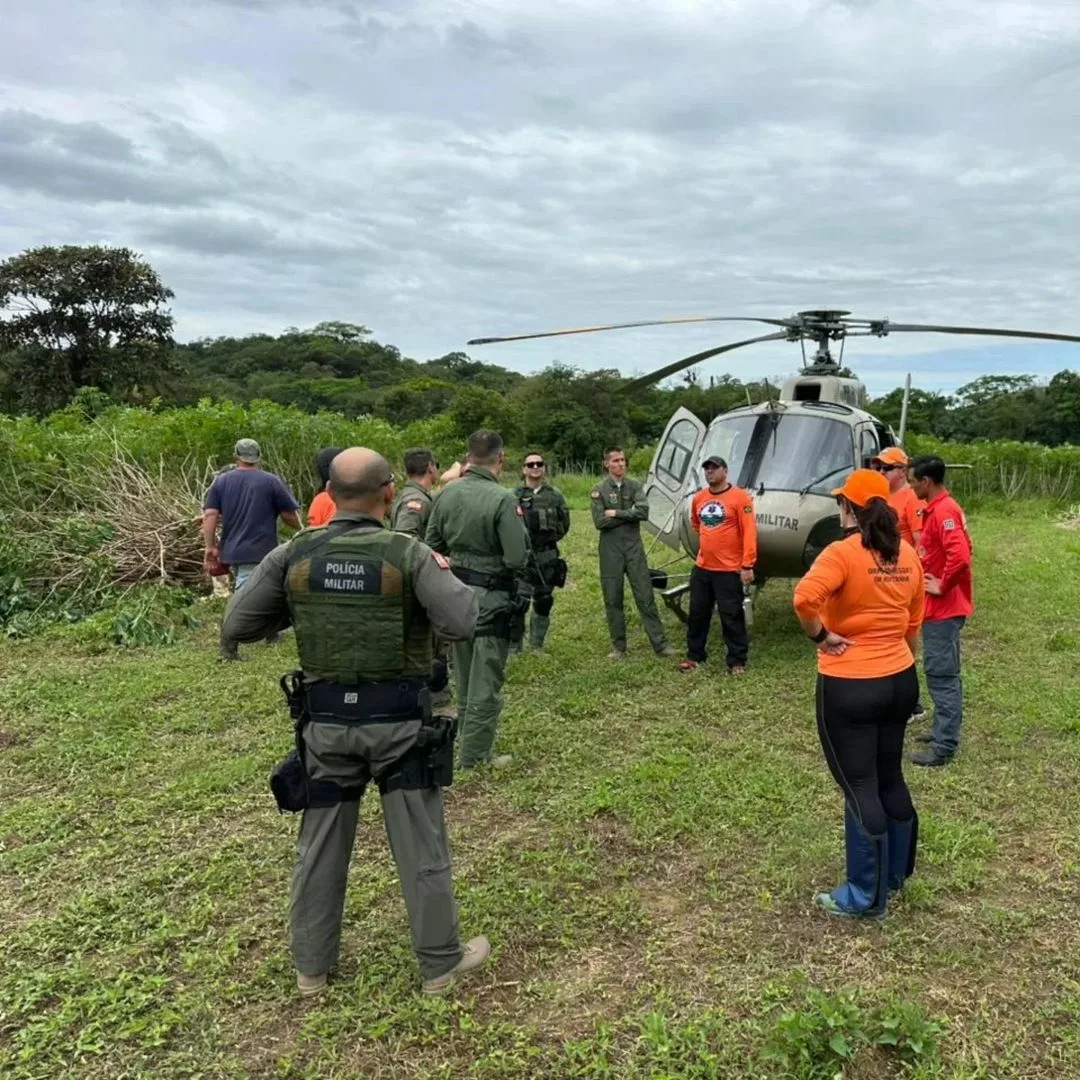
(440, 169)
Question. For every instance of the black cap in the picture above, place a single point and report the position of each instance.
(714, 460)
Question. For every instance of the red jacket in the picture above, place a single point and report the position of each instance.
(945, 550)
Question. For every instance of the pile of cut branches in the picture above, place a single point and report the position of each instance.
(1070, 519)
(115, 524)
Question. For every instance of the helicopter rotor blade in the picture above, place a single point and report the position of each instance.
(985, 331)
(627, 326)
(689, 361)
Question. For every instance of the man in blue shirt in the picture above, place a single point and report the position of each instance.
(246, 502)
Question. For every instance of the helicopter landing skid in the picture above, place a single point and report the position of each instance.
(673, 599)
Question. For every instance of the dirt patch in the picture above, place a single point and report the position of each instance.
(10, 738)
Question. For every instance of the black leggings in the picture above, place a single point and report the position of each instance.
(861, 726)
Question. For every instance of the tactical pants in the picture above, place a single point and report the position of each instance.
(480, 667)
(722, 590)
(349, 754)
(621, 556)
(541, 596)
(941, 666)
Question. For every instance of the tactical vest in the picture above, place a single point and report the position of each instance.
(356, 616)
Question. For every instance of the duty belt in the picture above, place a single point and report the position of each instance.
(481, 580)
(367, 703)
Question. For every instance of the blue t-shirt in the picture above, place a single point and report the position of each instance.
(249, 501)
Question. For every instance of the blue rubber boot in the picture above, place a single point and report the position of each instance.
(865, 893)
(903, 840)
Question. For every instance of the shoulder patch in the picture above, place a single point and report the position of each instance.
(440, 561)
(519, 511)
(415, 504)
(748, 508)
(948, 523)
(594, 494)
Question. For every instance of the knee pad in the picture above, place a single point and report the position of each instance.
(543, 602)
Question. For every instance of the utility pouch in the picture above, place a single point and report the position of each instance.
(557, 577)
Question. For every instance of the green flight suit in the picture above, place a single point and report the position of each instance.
(547, 517)
(411, 510)
(478, 525)
(622, 552)
(350, 754)
(409, 514)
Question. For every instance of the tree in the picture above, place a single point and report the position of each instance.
(83, 316)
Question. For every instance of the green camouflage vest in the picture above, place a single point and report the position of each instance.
(353, 606)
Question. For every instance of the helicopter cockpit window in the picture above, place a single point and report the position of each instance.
(675, 454)
(868, 444)
(729, 438)
(806, 452)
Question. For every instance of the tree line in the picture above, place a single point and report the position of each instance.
(91, 325)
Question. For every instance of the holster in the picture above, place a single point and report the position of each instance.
(557, 576)
(428, 763)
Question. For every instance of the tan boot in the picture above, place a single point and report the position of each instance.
(472, 956)
(310, 985)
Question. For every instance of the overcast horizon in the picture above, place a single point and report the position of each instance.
(442, 171)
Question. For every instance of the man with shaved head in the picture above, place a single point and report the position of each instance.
(365, 603)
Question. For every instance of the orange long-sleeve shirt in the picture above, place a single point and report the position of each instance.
(873, 605)
(322, 509)
(726, 528)
(909, 508)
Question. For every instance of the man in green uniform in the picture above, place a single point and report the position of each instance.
(547, 518)
(411, 508)
(364, 602)
(409, 514)
(479, 525)
(619, 507)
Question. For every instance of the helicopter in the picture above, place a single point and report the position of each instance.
(788, 453)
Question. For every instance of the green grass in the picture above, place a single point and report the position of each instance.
(644, 869)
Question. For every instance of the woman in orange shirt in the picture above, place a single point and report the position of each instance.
(861, 602)
(322, 507)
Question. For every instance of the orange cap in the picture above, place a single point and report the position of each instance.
(862, 486)
(891, 455)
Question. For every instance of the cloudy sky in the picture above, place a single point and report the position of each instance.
(444, 169)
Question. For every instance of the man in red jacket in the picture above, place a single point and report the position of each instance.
(945, 550)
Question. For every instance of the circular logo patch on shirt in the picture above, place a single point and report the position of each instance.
(712, 513)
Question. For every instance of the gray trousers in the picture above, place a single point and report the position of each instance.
(415, 827)
(619, 558)
(479, 667)
(941, 666)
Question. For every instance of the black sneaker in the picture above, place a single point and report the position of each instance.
(931, 757)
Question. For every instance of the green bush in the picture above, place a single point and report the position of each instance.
(816, 1041)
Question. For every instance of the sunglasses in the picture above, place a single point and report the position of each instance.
(387, 481)
(886, 468)
(534, 464)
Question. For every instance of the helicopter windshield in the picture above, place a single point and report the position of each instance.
(804, 453)
(730, 438)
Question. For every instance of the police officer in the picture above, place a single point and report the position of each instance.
(547, 518)
(364, 601)
(479, 525)
(411, 508)
(619, 507)
(409, 514)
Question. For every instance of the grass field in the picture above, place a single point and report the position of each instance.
(644, 869)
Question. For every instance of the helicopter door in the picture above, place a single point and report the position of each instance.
(869, 444)
(671, 475)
